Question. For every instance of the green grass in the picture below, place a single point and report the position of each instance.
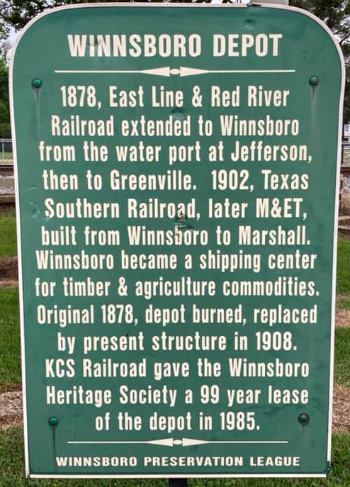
(8, 246)
(343, 268)
(342, 356)
(11, 461)
(346, 156)
(10, 368)
(6, 158)
(343, 302)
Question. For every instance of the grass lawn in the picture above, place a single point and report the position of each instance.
(11, 461)
(8, 245)
(343, 302)
(342, 356)
(10, 369)
(6, 158)
(343, 267)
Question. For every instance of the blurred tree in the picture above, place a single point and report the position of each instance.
(17, 13)
(5, 128)
(336, 15)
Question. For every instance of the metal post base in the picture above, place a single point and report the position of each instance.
(178, 483)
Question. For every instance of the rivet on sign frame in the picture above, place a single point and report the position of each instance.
(304, 419)
(37, 83)
(53, 421)
(314, 80)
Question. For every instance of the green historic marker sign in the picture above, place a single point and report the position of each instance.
(177, 196)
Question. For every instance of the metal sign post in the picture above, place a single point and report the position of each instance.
(178, 483)
(176, 174)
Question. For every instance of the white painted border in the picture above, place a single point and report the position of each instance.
(335, 235)
(336, 216)
(181, 476)
(19, 256)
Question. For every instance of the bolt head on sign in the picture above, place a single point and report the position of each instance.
(177, 177)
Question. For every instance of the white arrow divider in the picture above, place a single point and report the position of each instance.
(164, 442)
(157, 71)
(171, 442)
(192, 442)
(167, 71)
(194, 71)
